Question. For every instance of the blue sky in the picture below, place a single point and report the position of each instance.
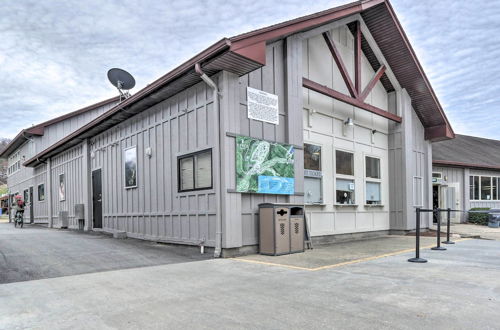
(54, 55)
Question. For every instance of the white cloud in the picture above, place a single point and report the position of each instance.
(54, 55)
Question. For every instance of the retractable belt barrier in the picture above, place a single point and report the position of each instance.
(438, 246)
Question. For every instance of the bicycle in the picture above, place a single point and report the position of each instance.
(18, 219)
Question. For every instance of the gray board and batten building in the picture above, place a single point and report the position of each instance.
(331, 110)
(466, 174)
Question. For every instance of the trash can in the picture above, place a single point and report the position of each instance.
(494, 218)
(281, 229)
(296, 229)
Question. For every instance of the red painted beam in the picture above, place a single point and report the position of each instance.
(380, 72)
(439, 133)
(340, 63)
(314, 86)
(357, 59)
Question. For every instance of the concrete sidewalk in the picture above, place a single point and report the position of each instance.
(471, 230)
(330, 255)
(456, 289)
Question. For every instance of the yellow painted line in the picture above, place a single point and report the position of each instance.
(270, 264)
(340, 264)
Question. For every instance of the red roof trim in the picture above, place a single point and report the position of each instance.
(301, 23)
(449, 129)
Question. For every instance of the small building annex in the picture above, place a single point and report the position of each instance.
(32, 183)
(331, 110)
(466, 174)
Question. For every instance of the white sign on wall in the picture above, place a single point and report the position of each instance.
(262, 106)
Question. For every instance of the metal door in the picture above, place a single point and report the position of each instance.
(96, 199)
(452, 201)
(32, 213)
(450, 198)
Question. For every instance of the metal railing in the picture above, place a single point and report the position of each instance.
(438, 246)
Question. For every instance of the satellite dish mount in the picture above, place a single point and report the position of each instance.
(122, 80)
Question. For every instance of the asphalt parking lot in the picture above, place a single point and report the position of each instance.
(35, 252)
(456, 289)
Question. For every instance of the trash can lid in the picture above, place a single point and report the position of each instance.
(281, 205)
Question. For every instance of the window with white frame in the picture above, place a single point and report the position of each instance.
(195, 171)
(484, 188)
(41, 192)
(344, 183)
(312, 174)
(373, 181)
(437, 177)
(14, 163)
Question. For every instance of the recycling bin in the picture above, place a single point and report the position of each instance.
(297, 229)
(281, 229)
(494, 218)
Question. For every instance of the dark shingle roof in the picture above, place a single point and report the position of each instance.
(467, 151)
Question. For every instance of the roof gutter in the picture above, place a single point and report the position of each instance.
(461, 164)
(217, 124)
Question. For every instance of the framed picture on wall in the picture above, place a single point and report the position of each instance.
(62, 187)
(131, 167)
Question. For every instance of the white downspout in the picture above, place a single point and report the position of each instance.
(218, 195)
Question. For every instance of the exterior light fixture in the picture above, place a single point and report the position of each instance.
(149, 152)
(347, 123)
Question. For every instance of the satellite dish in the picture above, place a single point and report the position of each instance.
(122, 80)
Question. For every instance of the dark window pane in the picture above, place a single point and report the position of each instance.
(476, 187)
(471, 187)
(344, 162)
(41, 192)
(485, 188)
(312, 157)
(372, 167)
(495, 189)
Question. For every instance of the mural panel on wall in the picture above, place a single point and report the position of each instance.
(131, 167)
(264, 167)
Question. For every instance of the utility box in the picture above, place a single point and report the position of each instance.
(281, 228)
(63, 219)
(494, 218)
(80, 215)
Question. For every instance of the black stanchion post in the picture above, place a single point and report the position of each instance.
(417, 240)
(448, 216)
(438, 235)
